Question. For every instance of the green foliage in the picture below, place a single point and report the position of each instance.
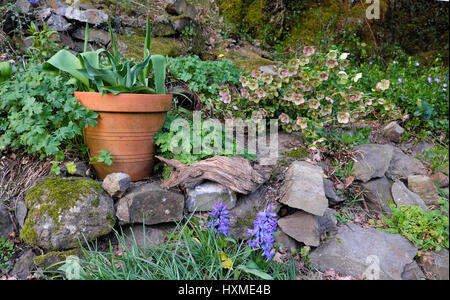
(204, 77)
(5, 71)
(104, 157)
(339, 140)
(39, 114)
(6, 252)
(189, 253)
(417, 90)
(115, 74)
(427, 230)
(436, 158)
(44, 43)
(175, 140)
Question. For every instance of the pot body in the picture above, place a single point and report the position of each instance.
(125, 128)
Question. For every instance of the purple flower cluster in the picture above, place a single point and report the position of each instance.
(34, 2)
(263, 232)
(220, 218)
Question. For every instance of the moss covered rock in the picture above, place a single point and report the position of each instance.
(65, 211)
(132, 46)
(245, 59)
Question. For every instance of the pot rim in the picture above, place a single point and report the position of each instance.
(125, 102)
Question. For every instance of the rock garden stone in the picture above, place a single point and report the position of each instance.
(413, 272)
(393, 132)
(440, 179)
(355, 250)
(301, 226)
(402, 165)
(204, 196)
(180, 22)
(372, 161)
(6, 226)
(403, 196)
(53, 257)
(81, 169)
(243, 215)
(64, 211)
(146, 236)
(286, 242)
(378, 194)
(91, 16)
(308, 228)
(23, 267)
(149, 204)
(21, 212)
(116, 184)
(330, 192)
(58, 23)
(162, 28)
(425, 188)
(437, 264)
(304, 189)
(181, 7)
(95, 35)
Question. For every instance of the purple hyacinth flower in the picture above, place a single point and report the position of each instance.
(430, 80)
(34, 2)
(262, 234)
(220, 218)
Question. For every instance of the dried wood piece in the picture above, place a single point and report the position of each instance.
(235, 173)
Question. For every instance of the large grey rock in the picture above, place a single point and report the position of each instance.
(204, 196)
(6, 226)
(372, 161)
(440, 179)
(393, 132)
(403, 196)
(378, 194)
(149, 204)
(330, 192)
(286, 243)
(23, 6)
(23, 267)
(116, 184)
(402, 165)
(355, 250)
(144, 236)
(425, 188)
(91, 16)
(95, 35)
(437, 264)
(64, 211)
(58, 23)
(303, 188)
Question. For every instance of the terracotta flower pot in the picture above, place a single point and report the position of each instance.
(125, 128)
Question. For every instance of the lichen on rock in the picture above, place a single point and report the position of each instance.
(66, 211)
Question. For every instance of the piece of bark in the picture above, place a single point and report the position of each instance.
(235, 173)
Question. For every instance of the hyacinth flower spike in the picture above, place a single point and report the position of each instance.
(220, 218)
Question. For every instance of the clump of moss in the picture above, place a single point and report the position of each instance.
(134, 46)
(297, 153)
(51, 258)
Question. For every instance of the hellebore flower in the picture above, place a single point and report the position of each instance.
(284, 118)
(220, 218)
(262, 234)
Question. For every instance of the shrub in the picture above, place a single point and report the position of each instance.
(39, 113)
(305, 94)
